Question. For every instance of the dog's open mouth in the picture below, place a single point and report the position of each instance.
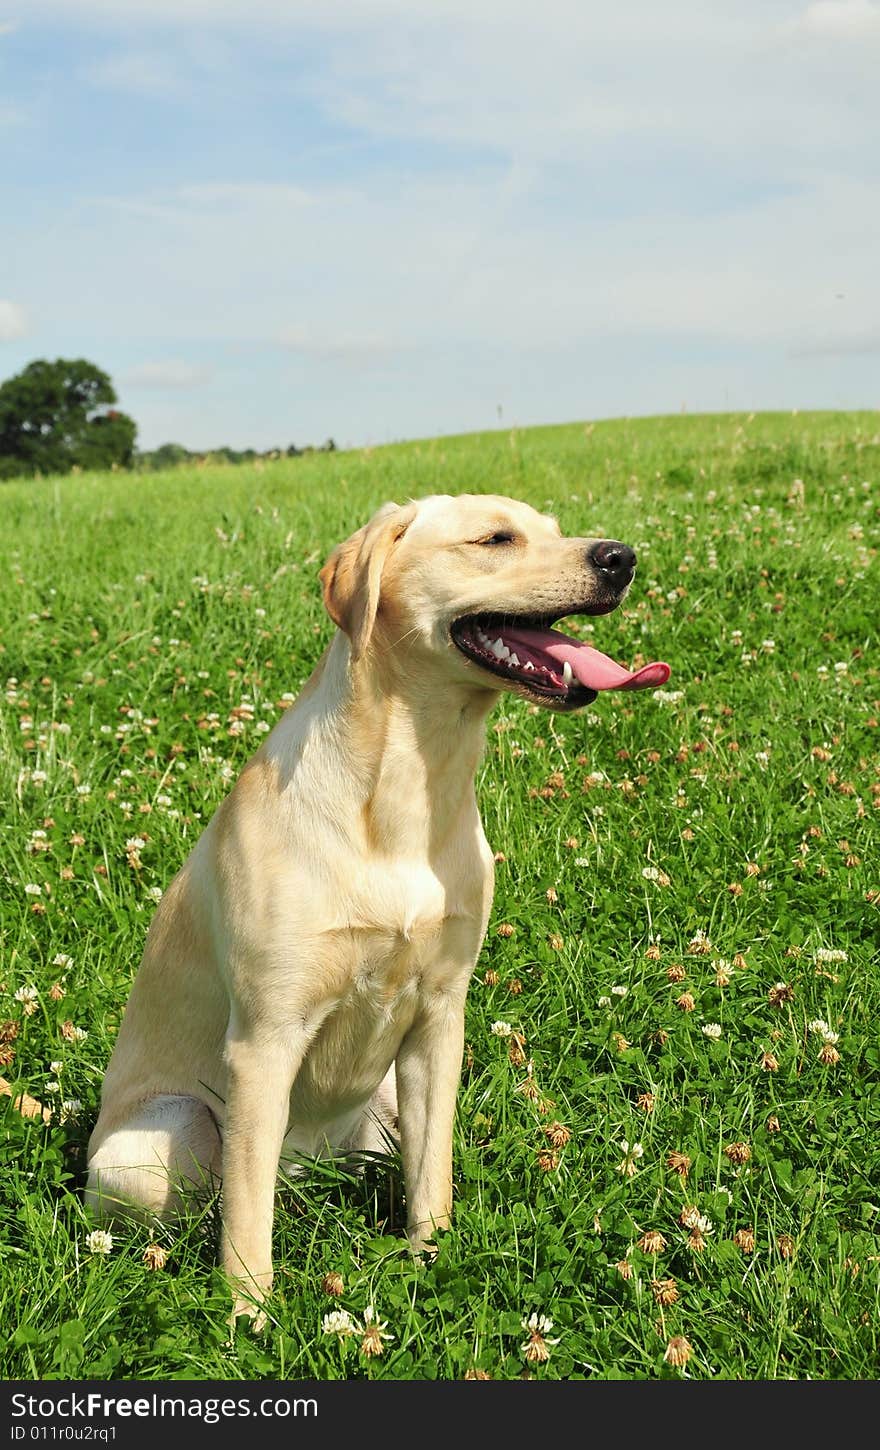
(545, 662)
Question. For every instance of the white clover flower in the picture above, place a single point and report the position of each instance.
(136, 843)
(830, 954)
(651, 873)
(501, 1029)
(536, 1349)
(99, 1241)
(824, 1031)
(631, 1153)
(70, 1110)
(667, 697)
(61, 959)
(32, 889)
(339, 1322)
(605, 1002)
(155, 893)
(711, 1029)
(26, 994)
(56, 1067)
(375, 1333)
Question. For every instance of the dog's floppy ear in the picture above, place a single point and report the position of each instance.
(352, 577)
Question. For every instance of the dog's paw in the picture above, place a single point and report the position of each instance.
(247, 1310)
(421, 1248)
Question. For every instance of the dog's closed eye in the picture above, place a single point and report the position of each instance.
(502, 536)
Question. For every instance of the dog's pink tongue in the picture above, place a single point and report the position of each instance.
(590, 667)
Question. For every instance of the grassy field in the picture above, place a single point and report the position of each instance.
(669, 1117)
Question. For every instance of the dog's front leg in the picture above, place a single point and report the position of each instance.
(428, 1071)
(261, 1067)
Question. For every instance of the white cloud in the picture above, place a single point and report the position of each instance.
(311, 341)
(11, 115)
(13, 321)
(474, 260)
(542, 83)
(841, 20)
(243, 194)
(846, 344)
(151, 73)
(165, 65)
(124, 14)
(173, 373)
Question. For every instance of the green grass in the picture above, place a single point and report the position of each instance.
(138, 613)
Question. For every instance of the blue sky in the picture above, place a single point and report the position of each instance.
(273, 221)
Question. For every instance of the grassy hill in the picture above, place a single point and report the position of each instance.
(701, 857)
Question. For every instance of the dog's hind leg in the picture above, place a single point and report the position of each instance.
(167, 1152)
(377, 1130)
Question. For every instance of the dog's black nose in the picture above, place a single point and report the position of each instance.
(616, 561)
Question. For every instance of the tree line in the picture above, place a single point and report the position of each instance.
(56, 417)
(173, 455)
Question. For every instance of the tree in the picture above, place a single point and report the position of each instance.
(55, 416)
(169, 455)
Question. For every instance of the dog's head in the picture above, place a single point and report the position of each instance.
(473, 585)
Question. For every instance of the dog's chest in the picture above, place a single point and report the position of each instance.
(395, 937)
(386, 962)
(399, 934)
(400, 902)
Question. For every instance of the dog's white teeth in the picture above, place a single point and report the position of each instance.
(567, 674)
(528, 665)
(500, 650)
(514, 659)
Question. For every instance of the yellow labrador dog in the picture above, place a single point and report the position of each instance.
(304, 979)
